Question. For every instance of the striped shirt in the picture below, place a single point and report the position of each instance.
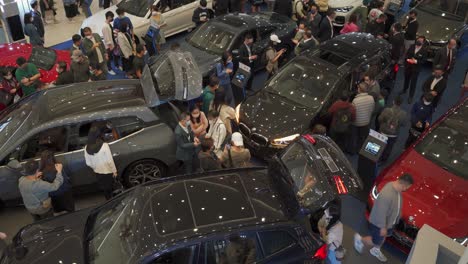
(364, 104)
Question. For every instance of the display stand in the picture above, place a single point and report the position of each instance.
(239, 82)
(369, 156)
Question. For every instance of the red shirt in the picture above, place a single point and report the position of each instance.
(349, 27)
(340, 105)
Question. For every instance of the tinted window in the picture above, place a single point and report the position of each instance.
(185, 255)
(127, 125)
(303, 82)
(52, 139)
(274, 241)
(236, 249)
(447, 144)
(309, 186)
(211, 37)
(79, 134)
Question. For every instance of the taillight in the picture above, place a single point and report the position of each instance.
(340, 185)
(321, 253)
(310, 138)
(396, 67)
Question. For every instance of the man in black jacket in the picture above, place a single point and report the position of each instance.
(202, 14)
(398, 43)
(306, 43)
(377, 27)
(283, 7)
(37, 19)
(411, 29)
(435, 84)
(64, 76)
(247, 57)
(446, 56)
(186, 143)
(326, 30)
(415, 57)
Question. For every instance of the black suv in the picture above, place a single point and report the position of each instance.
(253, 214)
(298, 96)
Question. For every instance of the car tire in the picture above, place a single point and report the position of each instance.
(143, 171)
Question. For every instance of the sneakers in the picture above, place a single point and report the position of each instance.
(111, 72)
(378, 254)
(358, 245)
(120, 68)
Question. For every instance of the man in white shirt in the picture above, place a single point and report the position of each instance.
(109, 40)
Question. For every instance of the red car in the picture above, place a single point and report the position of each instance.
(438, 161)
(44, 58)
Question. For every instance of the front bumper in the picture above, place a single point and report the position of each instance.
(258, 144)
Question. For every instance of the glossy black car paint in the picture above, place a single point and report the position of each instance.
(261, 25)
(267, 115)
(66, 238)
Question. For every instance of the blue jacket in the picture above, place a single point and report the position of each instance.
(421, 112)
(119, 21)
(49, 176)
(223, 76)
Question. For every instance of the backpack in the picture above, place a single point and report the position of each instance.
(343, 120)
(392, 124)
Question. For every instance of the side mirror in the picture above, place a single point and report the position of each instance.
(14, 164)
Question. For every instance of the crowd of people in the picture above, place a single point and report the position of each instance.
(205, 137)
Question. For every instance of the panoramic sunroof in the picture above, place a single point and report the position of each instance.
(201, 202)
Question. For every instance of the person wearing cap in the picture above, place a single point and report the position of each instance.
(79, 67)
(35, 191)
(234, 154)
(202, 14)
(28, 76)
(435, 84)
(273, 56)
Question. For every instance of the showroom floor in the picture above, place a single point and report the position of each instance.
(12, 219)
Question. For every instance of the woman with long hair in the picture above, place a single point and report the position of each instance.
(226, 112)
(62, 199)
(9, 87)
(223, 72)
(156, 23)
(98, 157)
(198, 121)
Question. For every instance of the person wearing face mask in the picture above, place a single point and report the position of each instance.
(8, 88)
(28, 75)
(79, 67)
(223, 72)
(94, 48)
(411, 29)
(138, 62)
(198, 121)
(421, 118)
(300, 32)
(435, 84)
(37, 19)
(96, 73)
(446, 57)
(273, 56)
(109, 41)
(31, 31)
(122, 19)
(187, 144)
(314, 19)
(64, 76)
(202, 14)
(415, 57)
(217, 132)
(156, 23)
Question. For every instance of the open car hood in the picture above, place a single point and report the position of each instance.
(171, 76)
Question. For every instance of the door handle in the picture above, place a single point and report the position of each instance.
(115, 154)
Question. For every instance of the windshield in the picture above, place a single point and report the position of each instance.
(310, 188)
(447, 144)
(459, 8)
(303, 82)
(163, 76)
(212, 38)
(135, 7)
(111, 238)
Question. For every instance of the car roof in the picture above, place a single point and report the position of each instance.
(354, 45)
(242, 21)
(187, 206)
(89, 98)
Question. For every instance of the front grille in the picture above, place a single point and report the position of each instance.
(244, 129)
(340, 20)
(410, 230)
(259, 139)
(438, 44)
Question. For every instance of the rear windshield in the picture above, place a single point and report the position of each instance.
(211, 37)
(310, 187)
(447, 144)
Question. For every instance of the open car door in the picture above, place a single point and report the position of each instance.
(171, 76)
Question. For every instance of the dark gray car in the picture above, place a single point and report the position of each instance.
(140, 125)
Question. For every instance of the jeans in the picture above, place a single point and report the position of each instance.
(331, 257)
(112, 58)
(87, 10)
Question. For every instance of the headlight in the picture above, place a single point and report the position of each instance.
(375, 192)
(344, 9)
(284, 141)
(463, 241)
(238, 113)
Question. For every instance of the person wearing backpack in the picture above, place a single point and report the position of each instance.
(391, 119)
(272, 56)
(343, 114)
(217, 132)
